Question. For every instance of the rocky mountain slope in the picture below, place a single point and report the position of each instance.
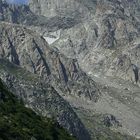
(29, 50)
(41, 97)
(105, 43)
(18, 122)
(101, 37)
(91, 59)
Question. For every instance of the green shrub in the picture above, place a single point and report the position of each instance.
(20, 123)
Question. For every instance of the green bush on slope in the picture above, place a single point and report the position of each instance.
(20, 123)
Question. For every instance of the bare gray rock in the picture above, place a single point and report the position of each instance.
(105, 28)
(106, 45)
(29, 50)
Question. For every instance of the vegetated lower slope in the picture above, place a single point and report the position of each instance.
(97, 125)
(20, 123)
(41, 97)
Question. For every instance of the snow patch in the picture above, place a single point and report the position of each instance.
(51, 38)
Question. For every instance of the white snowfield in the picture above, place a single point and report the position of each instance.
(51, 38)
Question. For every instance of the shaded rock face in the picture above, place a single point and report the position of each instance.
(101, 38)
(41, 97)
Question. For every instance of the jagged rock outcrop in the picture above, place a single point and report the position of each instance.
(29, 50)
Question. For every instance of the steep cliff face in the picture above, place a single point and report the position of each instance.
(29, 50)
